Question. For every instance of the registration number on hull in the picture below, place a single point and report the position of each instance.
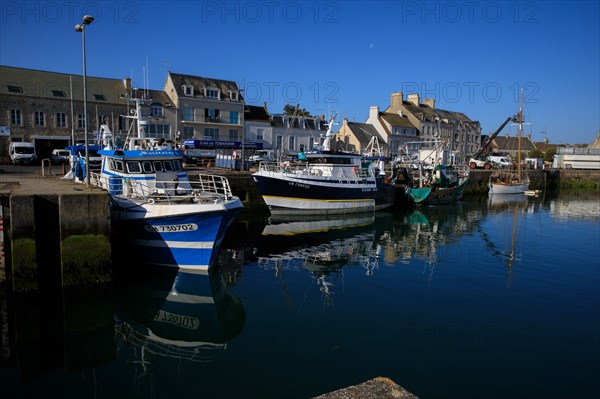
(189, 322)
(172, 228)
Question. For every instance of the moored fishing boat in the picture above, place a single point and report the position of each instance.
(322, 181)
(165, 217)
(433, 182)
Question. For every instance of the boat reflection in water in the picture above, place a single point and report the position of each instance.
(163, 312)
(506, 201)
(322, 245)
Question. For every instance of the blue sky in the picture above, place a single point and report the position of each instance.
(343, 56)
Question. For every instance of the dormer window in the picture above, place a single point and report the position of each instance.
(212, 94)
(14, 89)
(156, 110)
(58, 93)
(188, 90)
(233, 95)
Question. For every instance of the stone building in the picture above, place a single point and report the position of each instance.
(35, 106)
(455, 129)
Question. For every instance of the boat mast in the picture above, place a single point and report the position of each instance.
(520, 134)
(329, 134)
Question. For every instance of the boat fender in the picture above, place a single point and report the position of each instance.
(151, 200)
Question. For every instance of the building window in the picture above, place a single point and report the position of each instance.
(292, 142)
(38, 118)
(188, 132)
(233, 95)
(14, 89)
(158, 130)
(211, 115)
(311, 143)
(101, 120)
(122, 123)
(279, 141)
(188, 90)
(211, 133)
(61, 119)
(156, 110)
(80, 121)
(233, 134)
(259, 134)
(213, 94)
(188, 113)
(234, 117)
(58, 93)
(100, 97)
(15, 117)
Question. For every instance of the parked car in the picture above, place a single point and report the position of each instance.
(60, 157)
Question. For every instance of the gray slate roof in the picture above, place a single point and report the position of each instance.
(200, 83)
(55, 85)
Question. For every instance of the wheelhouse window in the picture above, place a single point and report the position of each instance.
(168, 166)
(157, 166)
(133, 167)
(116, 165)
(147, 167)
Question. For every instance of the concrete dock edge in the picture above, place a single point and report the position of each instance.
(377, 388)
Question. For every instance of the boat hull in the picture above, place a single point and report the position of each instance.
(285, 193)
(516, 188)
(189, 242)
(437, 195)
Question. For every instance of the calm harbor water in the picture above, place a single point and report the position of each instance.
(491, 297)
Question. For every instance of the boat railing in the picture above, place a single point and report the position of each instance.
(203, 188)
(326, 171)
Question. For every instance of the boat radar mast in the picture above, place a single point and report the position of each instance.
(329, 134)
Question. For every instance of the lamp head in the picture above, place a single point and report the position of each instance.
(78, 28)
(88, 19)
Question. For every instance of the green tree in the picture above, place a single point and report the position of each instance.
(289, 109)
(535, 153)
(549, 155)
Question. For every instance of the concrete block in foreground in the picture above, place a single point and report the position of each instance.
(377, 388)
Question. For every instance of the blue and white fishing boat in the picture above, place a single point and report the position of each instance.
(321, 181)
(166, 217)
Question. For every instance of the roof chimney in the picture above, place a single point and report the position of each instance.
(265, 107)
(396, 101)
(127, 85)
(414, 98)
(374, 112)
(430, 102)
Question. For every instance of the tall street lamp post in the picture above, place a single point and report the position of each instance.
(87, 19)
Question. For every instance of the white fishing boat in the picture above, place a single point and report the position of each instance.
(166, 217)
(322, 181)
(510, 182)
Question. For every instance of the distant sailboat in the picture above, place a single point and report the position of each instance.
(509, 182)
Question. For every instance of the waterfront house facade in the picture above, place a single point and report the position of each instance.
(355, 137)
(208, 109)
(292, 134)
(257, 125)
(394, 127)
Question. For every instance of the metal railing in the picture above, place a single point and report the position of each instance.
(303, 169)
(208, 188)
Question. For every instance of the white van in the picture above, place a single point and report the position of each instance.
(502, 162)
(22, 153)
